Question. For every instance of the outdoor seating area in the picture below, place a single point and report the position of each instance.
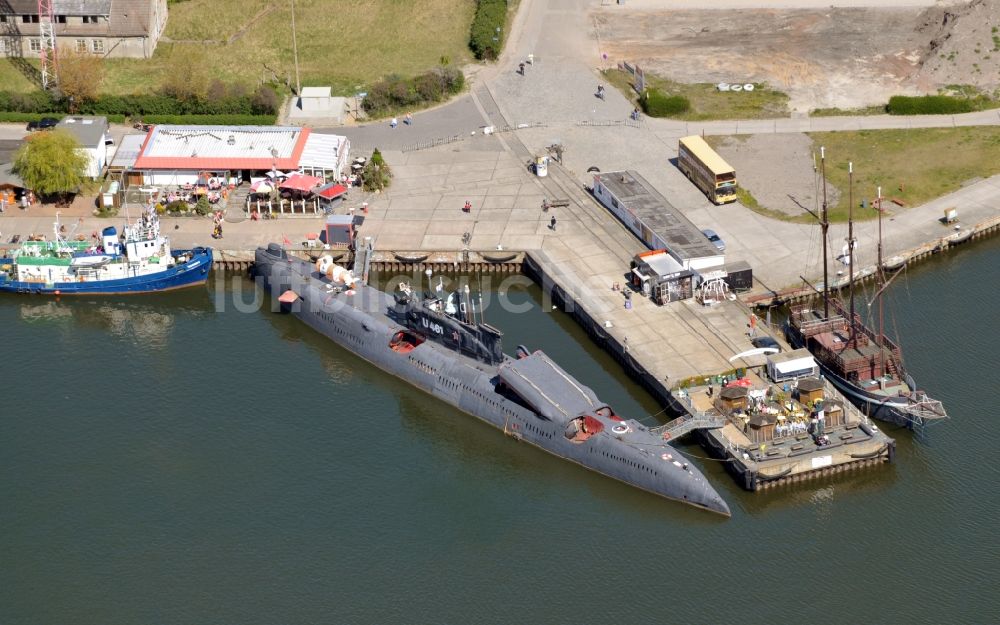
(183, 197)
(292, 193)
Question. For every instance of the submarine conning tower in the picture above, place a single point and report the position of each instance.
(444, 321)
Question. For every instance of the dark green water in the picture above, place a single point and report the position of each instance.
(169, 459)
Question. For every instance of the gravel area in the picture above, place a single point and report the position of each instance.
(758, 157)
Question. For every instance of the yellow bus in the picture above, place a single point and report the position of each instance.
(706, 169)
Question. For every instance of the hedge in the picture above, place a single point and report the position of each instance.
(27, 117)
(928, 105)
(658, 104)
(212, 120)
(396, 93)
(33, 117)
(487, 24)
(263, 101)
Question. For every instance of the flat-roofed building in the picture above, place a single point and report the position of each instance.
(185, 154)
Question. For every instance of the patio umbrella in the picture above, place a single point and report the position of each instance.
(200, 191)
(261, 186)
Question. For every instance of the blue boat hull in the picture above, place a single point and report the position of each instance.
(191, 273)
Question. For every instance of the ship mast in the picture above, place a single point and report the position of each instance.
(850, 242)
(825, 224)
(880, 278)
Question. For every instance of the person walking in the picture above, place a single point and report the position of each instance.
(521, 68)
(552, 223)
(393, 123)
(408, 119)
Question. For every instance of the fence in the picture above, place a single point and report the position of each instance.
(284, 207)
(632, 123)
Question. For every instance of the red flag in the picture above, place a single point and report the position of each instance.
(285, 240)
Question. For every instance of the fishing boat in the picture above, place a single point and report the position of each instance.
(862, 362)
(139, 260)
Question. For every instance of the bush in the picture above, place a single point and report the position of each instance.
(928, 105)
(177, 206)
(487, 24)
(25, 117)
(396, 93)
(202, 207)
(452, 79)
(264, 101)
(376, 174)
(221, 100)
(658, 104)
(212, 120)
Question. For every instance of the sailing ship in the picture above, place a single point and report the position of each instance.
(863, 363)
(139, 260)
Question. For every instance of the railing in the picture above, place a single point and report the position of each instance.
(632, 123)
(426, 145)
(305, 207)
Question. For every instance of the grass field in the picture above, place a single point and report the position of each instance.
(835, 112)
(914, 166)
(707, 102)
(346, 44)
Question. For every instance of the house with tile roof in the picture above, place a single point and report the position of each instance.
(108, 28)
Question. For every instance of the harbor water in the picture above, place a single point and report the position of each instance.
(184, 458)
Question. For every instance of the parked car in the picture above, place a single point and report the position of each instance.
(715, 239)
(45, 123)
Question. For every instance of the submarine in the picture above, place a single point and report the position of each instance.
(435, 342)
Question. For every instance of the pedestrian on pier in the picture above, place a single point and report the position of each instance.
(408, 119)
(552, 223)
(393, 123)
(520, 68)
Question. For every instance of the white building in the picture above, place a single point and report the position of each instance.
(92, 133)
(184, 154)
(657, 223)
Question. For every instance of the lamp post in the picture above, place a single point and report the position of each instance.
(295, 54)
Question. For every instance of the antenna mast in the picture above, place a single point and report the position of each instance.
(47, 54)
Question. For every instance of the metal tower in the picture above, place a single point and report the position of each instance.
(47, 33)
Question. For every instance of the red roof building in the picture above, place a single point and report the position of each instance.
(179, 154)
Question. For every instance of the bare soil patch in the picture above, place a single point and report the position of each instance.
(832, 57)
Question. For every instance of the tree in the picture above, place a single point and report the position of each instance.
(376, 175)
(202, 207)
(188, 77)
(51, 163)
(80, 76)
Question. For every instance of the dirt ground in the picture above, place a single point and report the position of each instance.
(833, 57)
(757, 158)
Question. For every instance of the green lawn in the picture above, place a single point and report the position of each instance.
(835, 112)
(707, 102)
(346, 44)
(914, 166)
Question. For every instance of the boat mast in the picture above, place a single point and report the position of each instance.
(879, 276)
(850, 241)
(825, 224)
